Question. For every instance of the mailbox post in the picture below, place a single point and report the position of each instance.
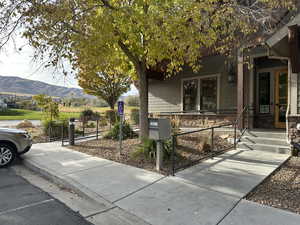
(159, 130)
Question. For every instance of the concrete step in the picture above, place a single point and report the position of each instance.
(266, 134)
(264, 147)
(263, 140)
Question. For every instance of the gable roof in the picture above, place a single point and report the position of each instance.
(283, 31)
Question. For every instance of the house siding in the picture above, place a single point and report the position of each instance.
(165, 96)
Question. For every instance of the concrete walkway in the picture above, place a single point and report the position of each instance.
(209, 193)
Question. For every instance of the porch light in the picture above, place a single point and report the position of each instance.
(231, 73)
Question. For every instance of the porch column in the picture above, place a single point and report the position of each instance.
(251, 99)
(294, 67)
(293, 89)
(240, 87)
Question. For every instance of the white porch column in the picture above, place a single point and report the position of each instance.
(293, 89)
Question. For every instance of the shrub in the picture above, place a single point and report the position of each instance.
(111, 116)
(147, 149)
(53, 129)
(127, 132)
(135, 116)
(88, 114)
(103, 122)
(91, 125)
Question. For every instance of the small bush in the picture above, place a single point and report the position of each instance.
(126, 131)
(111, 116)
(103, 122)
(91, 125)
(53, 129)
(88, 114)
(147, 149)
(135, 116)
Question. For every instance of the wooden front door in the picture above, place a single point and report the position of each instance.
(281, 97)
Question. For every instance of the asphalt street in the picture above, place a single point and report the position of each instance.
(24, 204)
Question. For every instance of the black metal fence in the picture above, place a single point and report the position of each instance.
(189, 148)
(82, 131)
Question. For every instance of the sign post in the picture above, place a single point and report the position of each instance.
(121, 115)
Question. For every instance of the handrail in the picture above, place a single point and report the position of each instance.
(242, 131)
(246, 108)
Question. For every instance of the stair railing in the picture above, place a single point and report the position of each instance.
(243, 128)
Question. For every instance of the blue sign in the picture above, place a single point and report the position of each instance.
(121, 108)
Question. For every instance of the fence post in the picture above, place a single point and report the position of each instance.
(49, 133)
(72, 131)
(212, 139)
(173, 155)
(62, 134)
(83, 128)
(97, 130)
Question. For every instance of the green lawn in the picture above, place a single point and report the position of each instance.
(22, 114)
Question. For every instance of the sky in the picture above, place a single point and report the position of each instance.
(20, 63)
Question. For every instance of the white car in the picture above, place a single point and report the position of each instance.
(13, 142)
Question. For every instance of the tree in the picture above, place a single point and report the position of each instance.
(108, 87)
(48, 106)
(135, 37)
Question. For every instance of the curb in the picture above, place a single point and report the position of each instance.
(68, 183)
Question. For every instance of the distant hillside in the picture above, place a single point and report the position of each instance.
(31, 87)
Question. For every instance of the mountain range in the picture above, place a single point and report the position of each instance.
(12, 84)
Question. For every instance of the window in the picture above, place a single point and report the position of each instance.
(209, 92)
(200, 93)
(264, 92)
(190, 92)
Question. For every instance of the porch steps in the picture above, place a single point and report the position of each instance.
(269, 141)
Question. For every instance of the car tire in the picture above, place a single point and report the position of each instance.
(7, 155)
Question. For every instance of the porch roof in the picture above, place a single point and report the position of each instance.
(281, 35)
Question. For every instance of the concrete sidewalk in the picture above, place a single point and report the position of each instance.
(209, 193)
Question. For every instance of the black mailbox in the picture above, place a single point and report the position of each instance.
(159, 128)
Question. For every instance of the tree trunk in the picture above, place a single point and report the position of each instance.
(143, 94)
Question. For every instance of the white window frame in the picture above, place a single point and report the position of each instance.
(199, 78)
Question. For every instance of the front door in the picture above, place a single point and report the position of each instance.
(281, 97)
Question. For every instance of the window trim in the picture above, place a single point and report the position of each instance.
(199, 78)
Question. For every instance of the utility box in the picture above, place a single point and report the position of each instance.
(159, 129)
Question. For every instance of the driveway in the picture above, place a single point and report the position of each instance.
(23, 204)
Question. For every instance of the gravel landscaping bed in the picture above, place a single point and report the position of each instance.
(282, 189)
(108, 149)
(191, 149)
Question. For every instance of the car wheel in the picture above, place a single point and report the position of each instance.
(7, 155)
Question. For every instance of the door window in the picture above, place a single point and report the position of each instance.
(264, 92)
